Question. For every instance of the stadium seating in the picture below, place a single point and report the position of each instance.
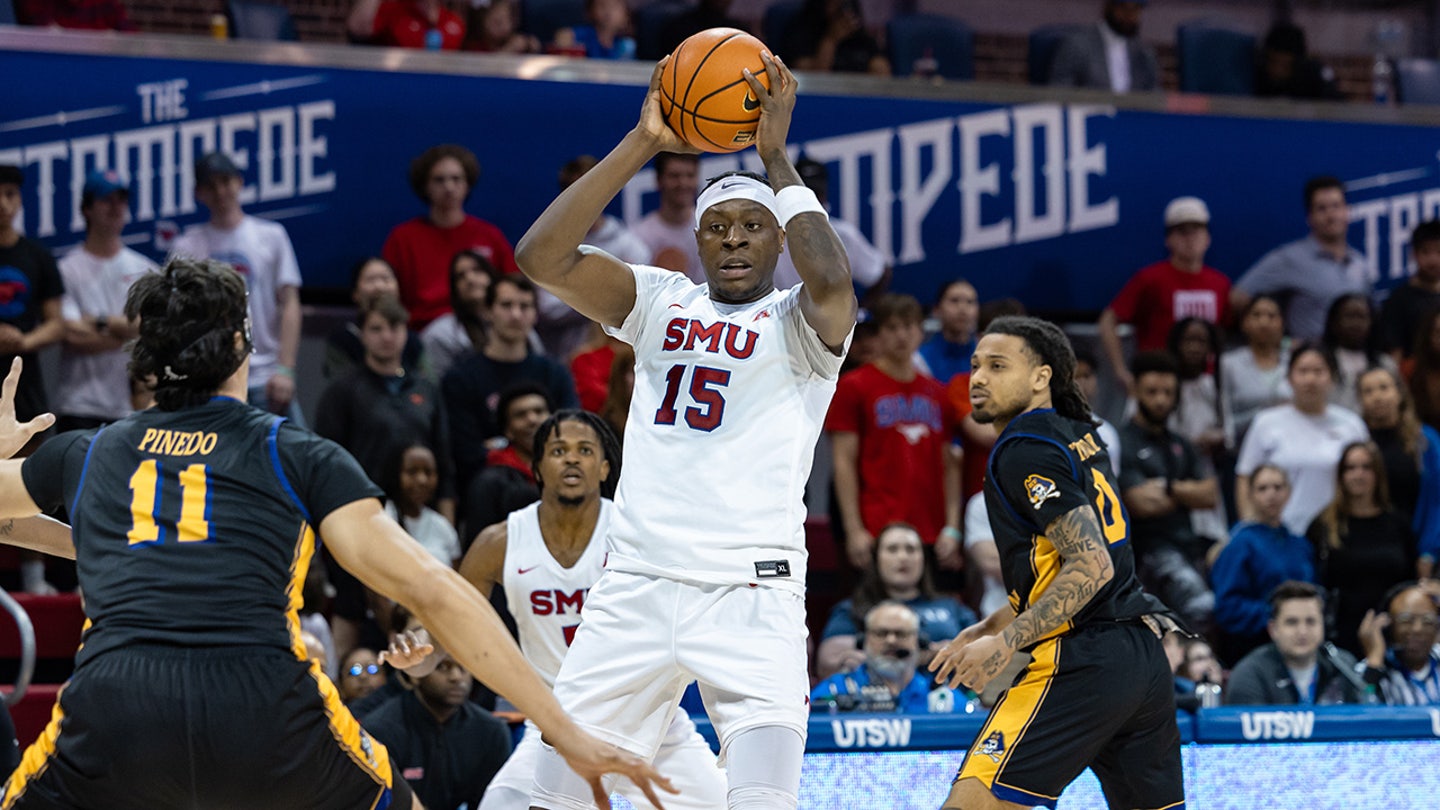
(777, 18)
(1044, 42)
(251, 19)
(950, 42)
(543, 18)
(1417, 81)
(1214, 59)
(58, 621)
(650, 22)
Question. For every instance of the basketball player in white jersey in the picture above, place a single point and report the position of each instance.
(705, 578)
(546, 556)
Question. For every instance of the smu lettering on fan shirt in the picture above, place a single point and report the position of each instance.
(1160, 295)
(905, 429)
(727, 408)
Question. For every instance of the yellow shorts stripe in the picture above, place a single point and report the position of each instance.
(366, 751)
(36, 758)
(1012, 716)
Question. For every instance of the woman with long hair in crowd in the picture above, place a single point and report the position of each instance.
(461, 330)
(1303, 437)
(1261, 554)
(1350, 336)
(1422, 370)
(370, 278)
(1195, 345)
(1252, 375)
(1410, 451)
(1363, 547)
(898, 572)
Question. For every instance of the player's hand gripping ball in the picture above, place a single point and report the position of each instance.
(704, 96)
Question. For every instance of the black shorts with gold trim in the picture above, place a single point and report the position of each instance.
(232, 727)
(1100, 697)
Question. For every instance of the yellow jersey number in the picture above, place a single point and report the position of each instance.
(1107, 503)
(147, 511)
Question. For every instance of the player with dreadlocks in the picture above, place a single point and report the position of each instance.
(1098, 691)
(546, 556)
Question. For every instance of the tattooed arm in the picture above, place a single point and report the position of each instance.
(1085, 567)
(38, 533)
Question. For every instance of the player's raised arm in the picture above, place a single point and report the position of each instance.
(373, 547)
(828, 298)
(596, 284)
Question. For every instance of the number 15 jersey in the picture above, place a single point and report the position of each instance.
(728, 404)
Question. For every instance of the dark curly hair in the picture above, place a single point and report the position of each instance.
(1050, 347)
(609, 445)
(421, 167)
(189, 314)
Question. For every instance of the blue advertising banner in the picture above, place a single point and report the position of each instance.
(1056, 203)
(902, 732)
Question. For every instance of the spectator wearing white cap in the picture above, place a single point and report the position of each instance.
(1177, 287)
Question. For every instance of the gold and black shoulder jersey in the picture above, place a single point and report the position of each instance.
(1042, 467)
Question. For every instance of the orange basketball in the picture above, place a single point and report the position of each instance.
(704, 96)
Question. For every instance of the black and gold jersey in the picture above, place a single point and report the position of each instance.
(194, 527)
(1043, 466)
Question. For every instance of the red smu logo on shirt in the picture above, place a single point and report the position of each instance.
(557, 602)
(686, 332)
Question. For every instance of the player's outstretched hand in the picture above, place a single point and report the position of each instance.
(13, 434)
(652, 121)
(777, 104)
(971, 662)
(412, 651)
(592, 759)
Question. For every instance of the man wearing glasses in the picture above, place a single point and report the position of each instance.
(888, 681)
(1402, 656)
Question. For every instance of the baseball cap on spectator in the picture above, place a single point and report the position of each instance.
(100, 184)
(214, 166)
(1185, 211)
(11, 176)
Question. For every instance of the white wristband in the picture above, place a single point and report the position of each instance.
(793, 200)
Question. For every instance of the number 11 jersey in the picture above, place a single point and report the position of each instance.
(728, 404)
(194, 527)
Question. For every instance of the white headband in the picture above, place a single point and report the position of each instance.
(736, 188)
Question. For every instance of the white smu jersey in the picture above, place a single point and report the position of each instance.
(544, 597)
(729, 401)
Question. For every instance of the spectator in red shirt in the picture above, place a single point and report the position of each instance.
(406, 24)
(892, 430)
(1181, 286)
(89, 15)
(420, 250)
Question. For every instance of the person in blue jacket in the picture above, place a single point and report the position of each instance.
(1261, 554)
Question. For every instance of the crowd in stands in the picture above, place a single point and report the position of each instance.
(843, 36)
